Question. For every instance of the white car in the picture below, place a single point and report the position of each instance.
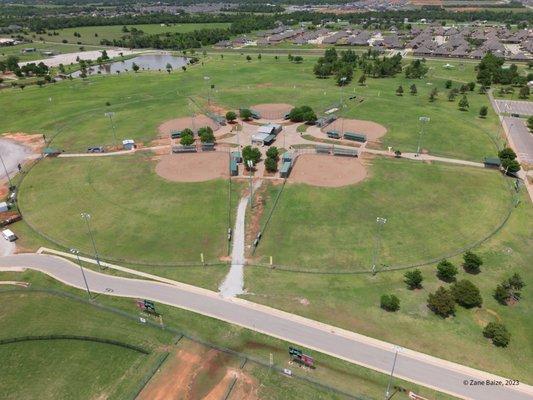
(9, 235)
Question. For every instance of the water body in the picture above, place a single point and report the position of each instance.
(147, 62)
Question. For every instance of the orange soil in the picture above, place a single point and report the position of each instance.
(327, 170)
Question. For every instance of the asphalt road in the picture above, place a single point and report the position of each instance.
(413, 366)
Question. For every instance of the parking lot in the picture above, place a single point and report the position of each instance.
(522, 108)
(521, 138)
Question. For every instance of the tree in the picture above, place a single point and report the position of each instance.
(472, 262)
(186, 139)
(413, 279)
(510, 166)
(507, 153)
(448, 84)
(231, 116)
(530, 123)
(463, 104)
(446, 271)
(259, 56)
(390, 302)
(271, 165)
(416, 69)
(433, 95)
(362, 80)
(206, 134)
(451, 95)
(413, 89)
(135, 67)
(301, 114)
(273, 153)
(509, 289)
(248, 58)
(168, 67)
(471, 86)
(441, 302)
(502, 294)
(297, 59)
(498, 333)
(524, 92)
(245, 114)
(466, 294)
(252, 154)
(344, 74)
(399, 91)
(483, 111)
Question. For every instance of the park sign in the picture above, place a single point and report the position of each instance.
(300, 357)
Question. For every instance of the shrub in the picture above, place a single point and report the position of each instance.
(472, 262)
(273, 153)
(483, 111)
(390, 302)
(441, 302)
(498, 333)
(231, 116)
(446, 271)
(245, 114)
(186, 140)
(413, 279)
(466, 294)
(206, 134)
(302, 114)
(507, 153)
(251, 153)
(271, 165)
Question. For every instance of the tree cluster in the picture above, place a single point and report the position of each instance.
(390, 302)
(509, 290)
(508, 160)
(416, 69)
(303, 114)
(271, 162)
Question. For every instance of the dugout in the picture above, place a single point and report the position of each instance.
(356, 137)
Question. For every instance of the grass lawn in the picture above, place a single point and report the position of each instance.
(431, 210)
(352, 302)
(58, 48)
(77, 108)
(330, 371)
(136, 215)
(53, 369)
(94, 34)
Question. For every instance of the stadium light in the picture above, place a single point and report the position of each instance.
(110, 115)
(380, 222)
(87, 218)
(250, 164)
(423, 121)
(77, 253)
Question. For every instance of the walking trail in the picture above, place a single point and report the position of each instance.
(233, 283)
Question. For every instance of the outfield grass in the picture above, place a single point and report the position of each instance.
(111, 32)
(431, 210)
(136, 215)
(77, 108)
(330, 371)
(352, 302)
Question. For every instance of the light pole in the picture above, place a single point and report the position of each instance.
(87, 217)
(77, 253)
(341, 108)
(380, 222)
(250, 164)
(110, 115)
(397, 350)
(422, 120)
(207, 78)
(7, 173)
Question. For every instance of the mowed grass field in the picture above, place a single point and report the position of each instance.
(94, 34)
(431, 210)
(136, 215)
(77, 107)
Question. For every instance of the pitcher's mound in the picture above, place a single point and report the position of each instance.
(193, 167)
(371, 129)
(327, 171)
(272, 110)
(194, 123)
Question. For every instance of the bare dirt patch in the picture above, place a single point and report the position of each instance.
(272, 110)
(34, 142)
(371, 129)
(327, 171)
(194, 123)
(193, 167)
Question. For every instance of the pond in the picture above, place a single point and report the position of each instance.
(153, 62)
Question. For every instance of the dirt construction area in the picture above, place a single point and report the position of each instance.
(372, 130)
(194, 123)
(193, 167)
(272, 110)
(195, 372)
(327, 170)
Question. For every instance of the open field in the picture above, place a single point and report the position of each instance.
(58, 48)
(431, 210)
(330, 371)
(77, 107)
(136, 215)
(94, 34)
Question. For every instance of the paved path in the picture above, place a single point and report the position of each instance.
(413, 366)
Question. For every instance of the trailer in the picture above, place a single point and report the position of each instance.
(175, 134)
(237, 156)
(285, 169)
(356, 137)
(233, 167)
(287, 157)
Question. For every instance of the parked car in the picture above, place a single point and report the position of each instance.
(96, 149)
(9, 235)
